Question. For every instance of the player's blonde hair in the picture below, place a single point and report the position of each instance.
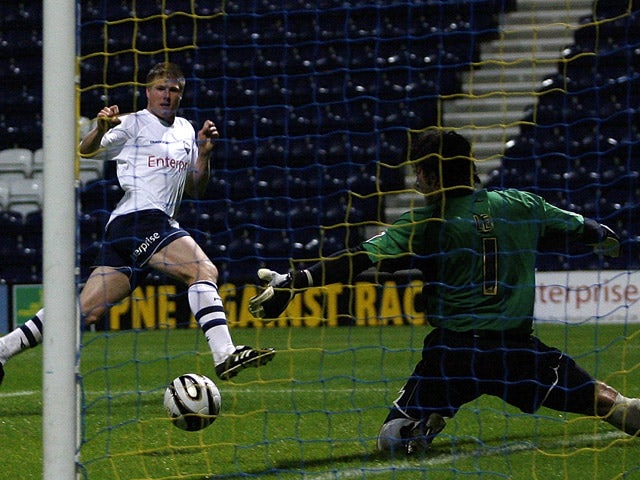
(166, 70)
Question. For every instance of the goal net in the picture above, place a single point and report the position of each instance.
(313, 102)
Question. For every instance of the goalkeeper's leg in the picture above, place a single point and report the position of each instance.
(618, 410)
(625, 415)
(607, 404)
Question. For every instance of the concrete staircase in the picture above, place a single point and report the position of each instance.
(502, 85)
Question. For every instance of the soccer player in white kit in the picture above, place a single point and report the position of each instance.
(159, 156)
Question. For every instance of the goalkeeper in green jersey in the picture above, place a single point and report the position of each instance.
(476, 250)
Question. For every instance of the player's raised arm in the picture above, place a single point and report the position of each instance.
(107, 118)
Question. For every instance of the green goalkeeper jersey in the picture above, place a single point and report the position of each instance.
(477, 253)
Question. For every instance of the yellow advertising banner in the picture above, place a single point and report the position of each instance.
(582, 296)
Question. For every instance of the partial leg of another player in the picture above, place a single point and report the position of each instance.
(618, 410)
(104, 287)
(25, 336)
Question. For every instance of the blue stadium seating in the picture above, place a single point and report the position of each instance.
(23, 266)
(583, 153)
(100, 195)
(614, 8)
(11, 226)
(309, 134)
(32, 231)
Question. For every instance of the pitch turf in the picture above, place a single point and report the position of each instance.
(313, 413)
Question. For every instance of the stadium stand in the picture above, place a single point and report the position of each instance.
(25, 195)
(307, 119)
(580, 146)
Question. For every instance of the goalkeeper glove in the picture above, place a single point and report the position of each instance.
(609, 243)
(274, 298)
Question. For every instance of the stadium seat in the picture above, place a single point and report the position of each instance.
(149, 33)
(128, 98)
(15, 163)
(90, 170)
(611, 9)
(92, 227)
(33, 231)
(209, 32)
(242, 250)
(337, 238)
(22, 97)
(21, 128)
(101, 194)
(303, 213)
(218, 188)
(91, 72)
(25, 195)
(20, 14)
(22, 266)
(38, 161)
(215, 248)
(11, 230)
(22, 69)
(4, 194)
(242, 183)
(278, 95)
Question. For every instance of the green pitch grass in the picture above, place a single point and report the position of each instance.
(313, 413)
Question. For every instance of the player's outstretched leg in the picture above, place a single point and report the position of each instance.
(412, 437)
(625, 414)
(229, 359)
(242, 358)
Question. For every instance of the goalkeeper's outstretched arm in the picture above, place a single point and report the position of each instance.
(342, 266)
(600, 237)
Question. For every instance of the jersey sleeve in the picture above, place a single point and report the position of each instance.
(558, 220)
(401, 238)
(117, 136)
(551, 219)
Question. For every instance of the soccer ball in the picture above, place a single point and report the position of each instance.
(192, 401)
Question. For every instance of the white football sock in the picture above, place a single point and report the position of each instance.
(206, 306)
(28, 335)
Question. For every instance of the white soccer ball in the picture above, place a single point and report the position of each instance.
(192, 401)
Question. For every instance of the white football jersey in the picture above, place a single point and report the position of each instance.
(153, 159)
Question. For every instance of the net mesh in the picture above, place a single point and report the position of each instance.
(313, 101)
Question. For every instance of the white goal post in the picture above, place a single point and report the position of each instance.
(60, 408)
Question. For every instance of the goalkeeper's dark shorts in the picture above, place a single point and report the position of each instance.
(131, 240)
(456, 368)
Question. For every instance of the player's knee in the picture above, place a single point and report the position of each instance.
(94, 314)
(204, 271)
(200, 271)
